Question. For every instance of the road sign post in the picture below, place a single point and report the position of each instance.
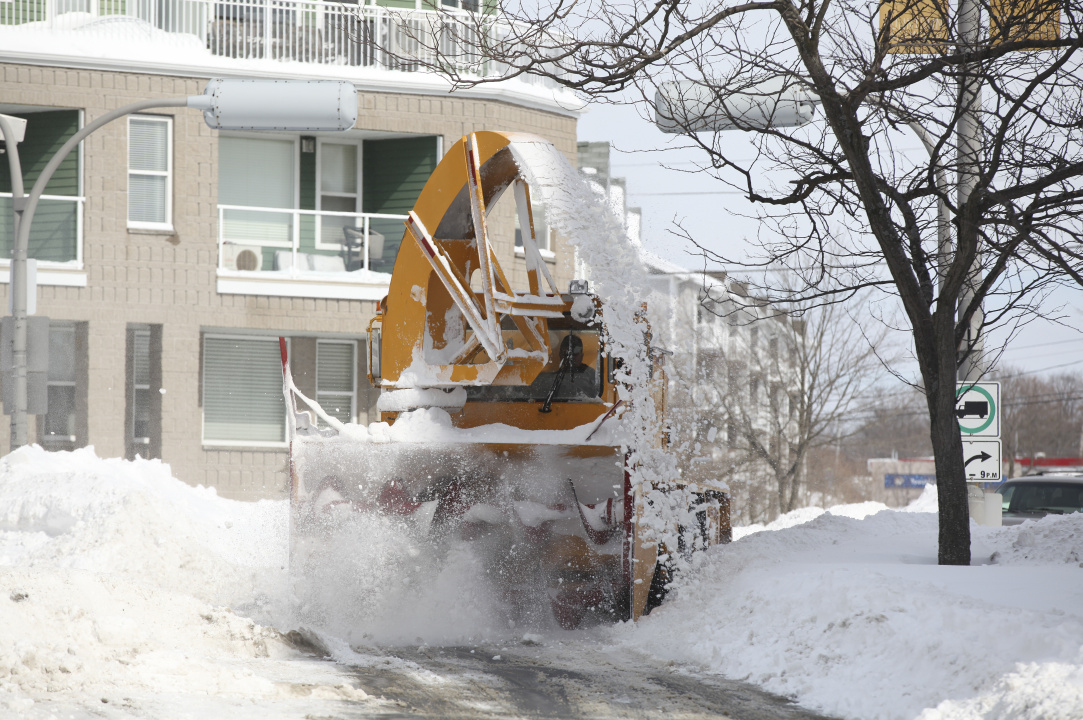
(981, 460)
(977, 408)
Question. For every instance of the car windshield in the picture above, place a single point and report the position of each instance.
(1043, 497)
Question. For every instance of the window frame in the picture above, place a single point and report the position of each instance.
(232, 443)
(357, 196)
(353, 375)
(50, 441)
(166, 120)
(137, 386)
(67, 273)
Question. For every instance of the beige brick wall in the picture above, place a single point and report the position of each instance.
(169, 279)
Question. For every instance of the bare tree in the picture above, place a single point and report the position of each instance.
(895, 424)
(993, 89)
(766, 389)
(1041, 415)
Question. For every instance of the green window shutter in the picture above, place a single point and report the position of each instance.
(395, 171)
(46, 132)
(393, 174)
(242, 391)
(307, 167)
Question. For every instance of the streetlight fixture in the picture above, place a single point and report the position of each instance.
(227, 104)
(686, 106)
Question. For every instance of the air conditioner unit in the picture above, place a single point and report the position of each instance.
(242, 257)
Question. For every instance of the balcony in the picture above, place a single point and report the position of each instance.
(224, 32)
(306, 253)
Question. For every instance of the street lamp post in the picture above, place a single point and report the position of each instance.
(17, 279)
(227, 104)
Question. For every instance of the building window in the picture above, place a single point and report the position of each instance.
(150, 172)
(340, 190)
(56, 233)
(140, 369)
(542, 232)
(336, 378)
(257, 173)
(58, 425)
(242, 391)
(144, 401)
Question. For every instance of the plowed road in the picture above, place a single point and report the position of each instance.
(552, 681)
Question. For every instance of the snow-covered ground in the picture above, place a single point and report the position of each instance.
(126, 593)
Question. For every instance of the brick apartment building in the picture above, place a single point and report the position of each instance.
(171, 256)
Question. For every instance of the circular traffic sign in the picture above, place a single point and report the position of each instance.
(992, 408)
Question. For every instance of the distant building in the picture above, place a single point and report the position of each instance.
(897, 482)
(171, 257)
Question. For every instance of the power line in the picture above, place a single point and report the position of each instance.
(1045, 369)
(695, 192)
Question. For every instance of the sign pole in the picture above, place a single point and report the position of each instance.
(969, 138)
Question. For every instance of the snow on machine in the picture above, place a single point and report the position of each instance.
(501, 407)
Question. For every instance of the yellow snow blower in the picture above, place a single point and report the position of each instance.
(500, 408)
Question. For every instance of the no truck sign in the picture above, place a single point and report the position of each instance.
(977, 408)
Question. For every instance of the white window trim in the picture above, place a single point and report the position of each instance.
(353, 372)
(203, 415)
(167, 173)
(320, 142)
(547, 255)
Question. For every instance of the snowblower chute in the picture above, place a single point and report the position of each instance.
(501, 403)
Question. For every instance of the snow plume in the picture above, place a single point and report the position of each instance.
(372, 578)
(619, 278)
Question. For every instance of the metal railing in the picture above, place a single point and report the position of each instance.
(308, 31)
(57, 233)
(290, 241)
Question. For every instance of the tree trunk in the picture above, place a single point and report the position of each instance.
(954, 539)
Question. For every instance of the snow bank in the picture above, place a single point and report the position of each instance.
(125, 593)
(114, 584)
(853, 617)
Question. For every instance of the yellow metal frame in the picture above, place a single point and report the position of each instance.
(430, 302)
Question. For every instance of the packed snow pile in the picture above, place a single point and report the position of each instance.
(853, 616)
(121, 586)
(126, 593)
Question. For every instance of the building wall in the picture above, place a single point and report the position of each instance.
(169, 279)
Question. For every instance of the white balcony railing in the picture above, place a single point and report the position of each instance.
(308, 31)
(295, 242)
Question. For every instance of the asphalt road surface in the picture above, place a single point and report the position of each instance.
(553, 681)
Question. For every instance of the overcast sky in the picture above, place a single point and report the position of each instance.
(661, 182)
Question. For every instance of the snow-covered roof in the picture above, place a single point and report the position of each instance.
(198, 45)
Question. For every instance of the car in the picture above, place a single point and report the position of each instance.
(1035, 496)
